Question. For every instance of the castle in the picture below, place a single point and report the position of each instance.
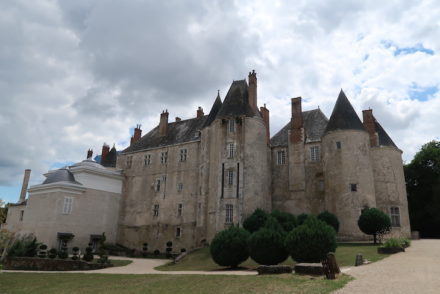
(186, 180)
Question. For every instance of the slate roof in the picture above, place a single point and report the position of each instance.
(343, 116)
(177, 132)
(315, 123)
(61, 175)
(214, 110)
(236, 101)
(384, 139)
(110, 160)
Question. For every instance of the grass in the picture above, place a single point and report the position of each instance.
(120, 262)
(36, 283)
(201, 259)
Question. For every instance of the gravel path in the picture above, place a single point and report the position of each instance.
(415, 271)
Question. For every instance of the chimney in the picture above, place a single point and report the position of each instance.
(252, 95)
(265, 114)
(370, 126)
(27, 174)
(89, 154)
(297, 121)
(163, 124)
(104, 153)
(178, 119)
(200, 112)
(137, 134)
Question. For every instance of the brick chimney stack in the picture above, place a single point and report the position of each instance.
(137, 134)
(252, 98)
(297, 123)
(27, 174)
(89, 153)
(265, 114)
(200, 112)
(104, 153)
(163, 124)
(178, 119)
(370, 126)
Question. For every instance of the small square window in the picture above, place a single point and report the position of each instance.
(338, 145)
(353, 187)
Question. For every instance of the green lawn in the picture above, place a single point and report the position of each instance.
(60, 283)
(345, 256)
(120, 262)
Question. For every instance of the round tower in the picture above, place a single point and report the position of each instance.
(348, 172)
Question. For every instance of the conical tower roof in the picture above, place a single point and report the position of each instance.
(343, 116)
(214, 110)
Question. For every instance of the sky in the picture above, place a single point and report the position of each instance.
(76, 74)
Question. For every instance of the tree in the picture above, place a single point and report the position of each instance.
(330, 219)
(422, 177)
(229, 247)
(266, 246)
(285, 219)
(255, 221)
(3, 211)
(374, 222)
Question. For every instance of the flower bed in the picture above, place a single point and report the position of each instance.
(45, 264)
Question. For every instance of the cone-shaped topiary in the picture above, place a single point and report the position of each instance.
(374, 222)
(255, 221)
(285, 219)
(88, 256)
(266, 246)
(311, 241)
(330, 219)
(229, 247)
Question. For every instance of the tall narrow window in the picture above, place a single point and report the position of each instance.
(156, 210)
(163, 157)
(178, 232)
(315, 154)
(395, 216)
(229, 213)
(183, 153)
(281, 157)
(157, 187)
(67, 206)
(129, 161)
(179, 209)
(338, 145)
(231, 150)
(179, 187)
(231, 125)
(147, 159)
(21, 215)
(230, 177)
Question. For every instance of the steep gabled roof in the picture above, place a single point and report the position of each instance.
(236, 101)
(384, 139)
(214, 110)
(177, 132)
(343, 116)
(315, 123)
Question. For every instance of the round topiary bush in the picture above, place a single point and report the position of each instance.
(330, 219)
(156, 252)
(52, 253)
(62, 254)
(75, 251)
(42, 252)
(285, 219)
(374, 222)
(255, 221)
(266, 246)
(311, 241)
(301, 218)
(229, 247)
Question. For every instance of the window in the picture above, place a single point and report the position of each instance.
(179, 209)
(353, 187)
(338, 145)
(230, 177)
(229, 213)
(281, 157)
(314, 153)
(163, 157)
(231, 150)
(129, 161)
(178, 232)
(157, 187)
(179, 187)
(156, 210)
(231, 125)
(21, 215)
(67, 207)
(395, 216)
(321, 185)
(147, 159)
(183, 153)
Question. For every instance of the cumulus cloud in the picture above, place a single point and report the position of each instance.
(75, 74)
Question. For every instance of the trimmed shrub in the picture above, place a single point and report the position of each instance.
(75, 251)
(88, 256)
(24, 248)
(330, 219)
(311, 241)
(52, 253)
(285, 219)
(255, 221)
(156, 252)
(42, 252)
(301, 218)
(229, 247)
(62, 254)
(393, 243)
(374, 222)
(169, 249)
(266, 246)
(145, 250)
